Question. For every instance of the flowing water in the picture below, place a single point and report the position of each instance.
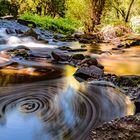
(43, 101)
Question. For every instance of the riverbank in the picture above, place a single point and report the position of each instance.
(126, 128)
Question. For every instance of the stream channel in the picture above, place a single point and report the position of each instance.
(43, 101)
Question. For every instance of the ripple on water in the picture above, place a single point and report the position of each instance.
(55, 110)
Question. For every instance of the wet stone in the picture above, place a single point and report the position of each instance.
(89, 62)
(78, 56)
(26, 23)
(10, 31)
(3, 41)
(58, 56)
(91, 71)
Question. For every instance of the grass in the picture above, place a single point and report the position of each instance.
(59, 25)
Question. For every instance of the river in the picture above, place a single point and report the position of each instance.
(43, 101)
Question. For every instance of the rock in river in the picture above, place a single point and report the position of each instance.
(91, 61)
(58, 56)
(91, 71)
(26, 22)
(20, 51)
(3, 41)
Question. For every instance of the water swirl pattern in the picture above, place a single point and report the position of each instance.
(55, 110)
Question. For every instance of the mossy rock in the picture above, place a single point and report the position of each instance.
(20, 51)
(129, 80)
(26, 23)
(31, 32)
(128, 43)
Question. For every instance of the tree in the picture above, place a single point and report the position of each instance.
(56, 8)
(4, 7)
(88, 11)
(129, 10)
(121, 8)
(97, 8)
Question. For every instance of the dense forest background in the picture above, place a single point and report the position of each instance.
(86, 15)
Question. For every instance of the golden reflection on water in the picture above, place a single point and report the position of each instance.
(130, 106)
(69, 71)
(118, 62)
(25, 71)
(121, 67)
(82, 87)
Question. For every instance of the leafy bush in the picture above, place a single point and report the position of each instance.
(8, 8)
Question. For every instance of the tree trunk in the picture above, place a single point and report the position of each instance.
(129, 10)
(97, 8)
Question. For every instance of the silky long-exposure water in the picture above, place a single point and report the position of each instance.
(43, 101)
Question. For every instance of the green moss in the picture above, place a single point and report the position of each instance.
(127, 81)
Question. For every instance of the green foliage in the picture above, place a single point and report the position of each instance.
(56, 7)
(88, 11)
(63, 16)
(115, 12)
(8, 7)
(60, 25)
(43, 7)
(4, 7)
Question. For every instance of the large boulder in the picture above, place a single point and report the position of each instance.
(20, 51)
(59, 56)
(87, 72)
